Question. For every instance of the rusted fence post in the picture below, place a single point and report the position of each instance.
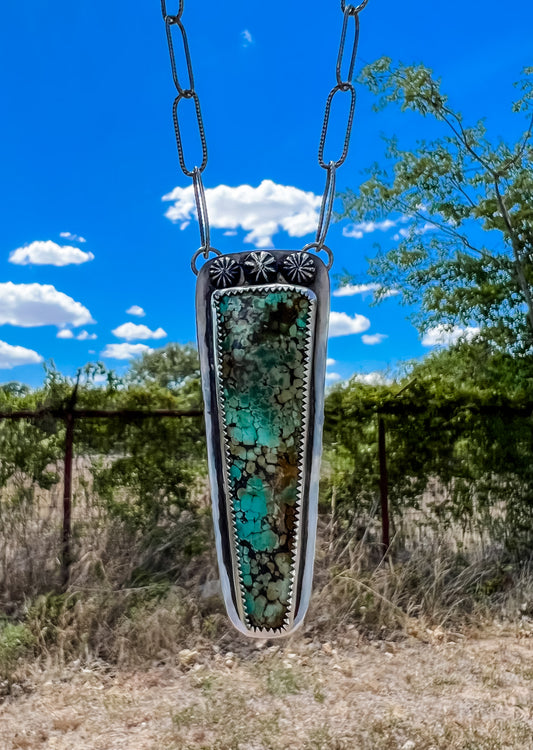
(66, 554)
(69, 414)
(383, 474)
(383, 485)
(66, 551)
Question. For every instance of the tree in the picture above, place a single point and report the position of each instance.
(175, 366)
(459, 444)
(444, 191)
(152, 464)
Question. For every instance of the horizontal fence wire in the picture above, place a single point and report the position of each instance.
(126, 414)
(393, 408)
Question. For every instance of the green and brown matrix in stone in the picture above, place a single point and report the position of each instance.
(263, 337)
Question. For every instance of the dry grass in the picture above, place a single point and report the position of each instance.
(129, 603)
(345, 694)
(403, 653)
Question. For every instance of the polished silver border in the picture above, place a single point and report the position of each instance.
(311, 456)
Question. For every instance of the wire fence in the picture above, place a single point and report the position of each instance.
(38, 533)
(70, 415)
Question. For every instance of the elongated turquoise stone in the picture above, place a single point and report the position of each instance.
(263, 338)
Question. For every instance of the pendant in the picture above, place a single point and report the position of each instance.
(262, 331)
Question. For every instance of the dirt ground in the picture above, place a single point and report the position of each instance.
(438, 691)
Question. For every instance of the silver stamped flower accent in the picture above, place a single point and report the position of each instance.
(224, 272)
(299, 267)
(260, 266)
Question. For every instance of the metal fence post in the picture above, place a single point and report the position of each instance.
(66, 551)
(383, 485)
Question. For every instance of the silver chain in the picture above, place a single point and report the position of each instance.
(344, 85)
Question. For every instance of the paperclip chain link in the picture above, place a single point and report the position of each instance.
(344, 85)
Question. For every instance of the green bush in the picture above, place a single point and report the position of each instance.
(16, 641)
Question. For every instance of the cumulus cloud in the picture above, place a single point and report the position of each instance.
(405, 232)
(48, 253)
(341, 324)
(332, 376)
(349, 290)
(443, 336)
(72, 237)
(371, 378)
(31, 305)
(402, 234)
(261, 211)
(66, 333)
(357, 231)
(125, 351)
(131, 331)
(11, 356)
(374, 338)
(247, 38)
(86, 336)
(136, 310)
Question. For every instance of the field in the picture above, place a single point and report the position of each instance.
(430, 690)
(427, 648)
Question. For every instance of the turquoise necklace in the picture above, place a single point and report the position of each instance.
(262, 322)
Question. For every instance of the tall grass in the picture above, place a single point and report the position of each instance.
(135, 598)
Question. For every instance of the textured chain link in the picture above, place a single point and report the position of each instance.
(343, 86)
(187, 93)
(189, 97)
(353, 9)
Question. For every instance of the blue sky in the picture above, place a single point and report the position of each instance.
(87, 152)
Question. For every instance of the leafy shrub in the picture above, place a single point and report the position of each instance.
(16, 641)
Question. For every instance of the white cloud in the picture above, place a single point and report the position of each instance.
(332, 376)
(136, 310)
(31, 305)
(405, 232)
(401, 235)
(72, 237)
(341, 324)
(260, 211)
(443, 336)
(349, 290)
(131, 331)
(125, 351)
(48, 253)
(11, 356)
(357, 231)
(66, 333)
(85, 336)
(374, 338)
(371, 378)
(247, 38)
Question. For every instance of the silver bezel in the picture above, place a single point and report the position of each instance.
(206, 297)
